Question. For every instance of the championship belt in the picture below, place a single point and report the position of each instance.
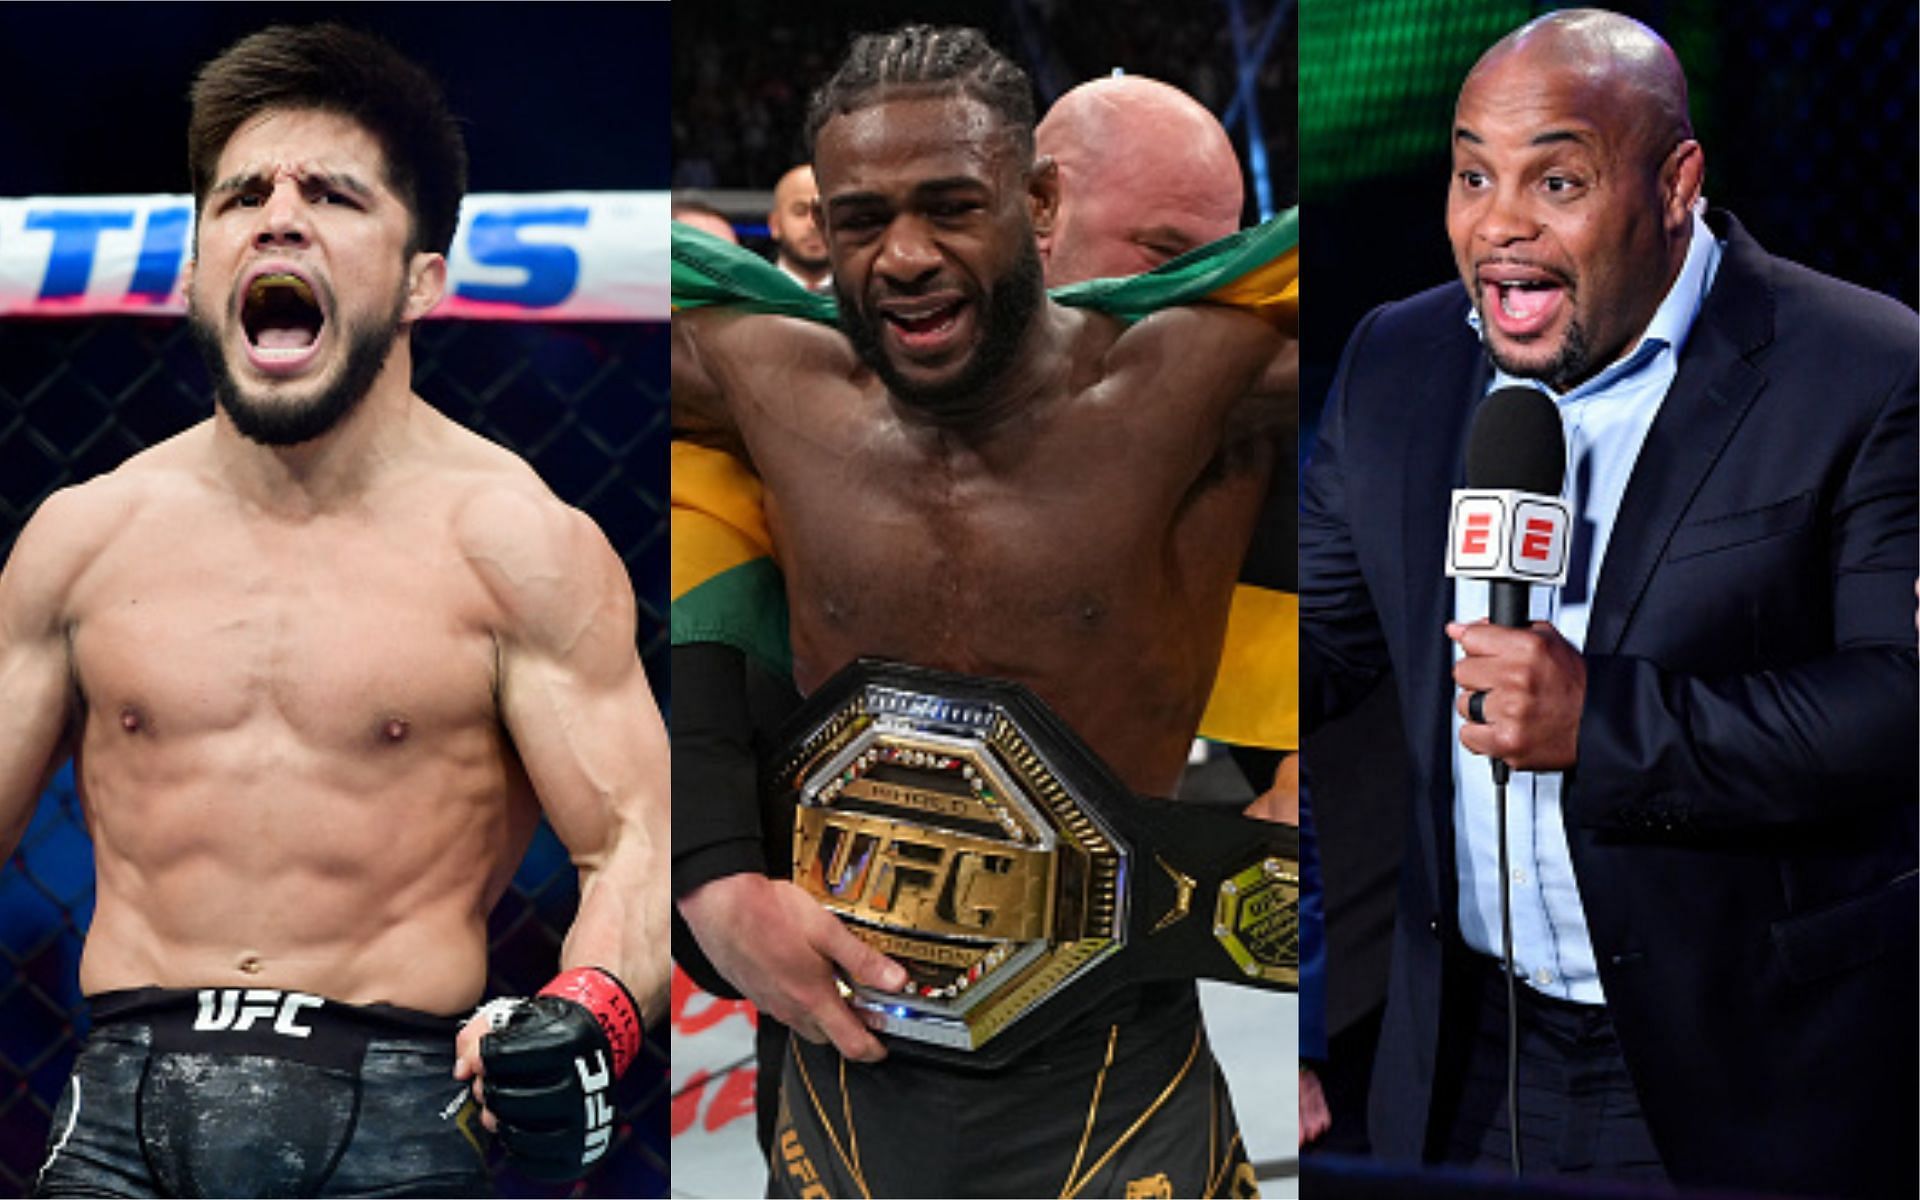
(958, 826)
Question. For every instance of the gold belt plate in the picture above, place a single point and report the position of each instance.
(940, 834)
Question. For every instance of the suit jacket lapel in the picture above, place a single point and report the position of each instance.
(1710, 395)
(1434, 454)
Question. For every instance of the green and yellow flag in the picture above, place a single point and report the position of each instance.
(727, 589)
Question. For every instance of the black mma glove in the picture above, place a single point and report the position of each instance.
(548, 1067)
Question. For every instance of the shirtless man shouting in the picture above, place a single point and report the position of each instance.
(322, 662)
(970, 477)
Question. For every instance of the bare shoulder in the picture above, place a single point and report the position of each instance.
(547, 566)
(1199, 337)
(730, 330)
(738, 347)
(1219, 360)
(77, 525)
(733, 372)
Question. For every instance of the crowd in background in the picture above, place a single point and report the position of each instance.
(743, 70)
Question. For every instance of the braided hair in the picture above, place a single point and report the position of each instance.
(925, 59)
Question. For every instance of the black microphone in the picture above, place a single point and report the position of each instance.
(1515, 444)
(1509, 526)
(1517, 452)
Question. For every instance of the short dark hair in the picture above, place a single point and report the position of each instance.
(925, 58)
(332, 68)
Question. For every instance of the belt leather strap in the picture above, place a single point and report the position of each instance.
(957, 824)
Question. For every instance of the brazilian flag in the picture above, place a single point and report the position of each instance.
(727, 589)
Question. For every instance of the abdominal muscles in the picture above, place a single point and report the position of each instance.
(351, 850)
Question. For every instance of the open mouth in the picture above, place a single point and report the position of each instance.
(1525, 300)
(925, 326)
(280, 316)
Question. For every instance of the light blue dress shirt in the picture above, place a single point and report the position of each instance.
(1606, 419)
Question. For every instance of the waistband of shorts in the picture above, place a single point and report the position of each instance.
(273, 1022)
(1164, 1010)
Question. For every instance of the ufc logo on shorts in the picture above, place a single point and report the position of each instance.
(800, 1168)
(236, 1010)
(595, 1076)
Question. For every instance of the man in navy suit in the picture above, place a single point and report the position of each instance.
(1711, 724)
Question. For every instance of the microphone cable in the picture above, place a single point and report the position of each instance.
(1501, 773)
(1517, 442)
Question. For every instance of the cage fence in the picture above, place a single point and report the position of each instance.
(584, 403)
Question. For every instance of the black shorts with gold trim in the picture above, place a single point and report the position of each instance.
(261, 1092)
(1125, 1102)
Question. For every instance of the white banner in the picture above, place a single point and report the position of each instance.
(715, 1152)
(535, 256)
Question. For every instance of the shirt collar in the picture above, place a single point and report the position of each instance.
(1671, 322)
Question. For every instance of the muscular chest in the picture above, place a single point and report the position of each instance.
(920, 556)
(340, 636)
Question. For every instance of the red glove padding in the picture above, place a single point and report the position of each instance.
(548, 1071)
(602, 994)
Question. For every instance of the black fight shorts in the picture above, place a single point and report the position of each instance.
(259, 1092)
(1126, 1102)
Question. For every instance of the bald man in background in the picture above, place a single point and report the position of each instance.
(703, 216)
(1146, 174)
(799, 249)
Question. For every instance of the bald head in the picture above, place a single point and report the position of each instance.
(1621, 63)
(1575, 178)
(1146, 174)
(705, 218)
(802, 251)
(796, 184)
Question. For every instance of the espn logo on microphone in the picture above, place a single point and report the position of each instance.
(1508, 535)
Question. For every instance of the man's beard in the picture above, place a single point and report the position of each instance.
(1005, 313)
(1563, 371)
(289, 424)
(812, 264)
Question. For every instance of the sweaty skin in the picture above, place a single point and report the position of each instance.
(1146, 174)
(318, 695)
(1076, 525)
(1076, 528)
(290, 750)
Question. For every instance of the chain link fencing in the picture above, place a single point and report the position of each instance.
(585, 404)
